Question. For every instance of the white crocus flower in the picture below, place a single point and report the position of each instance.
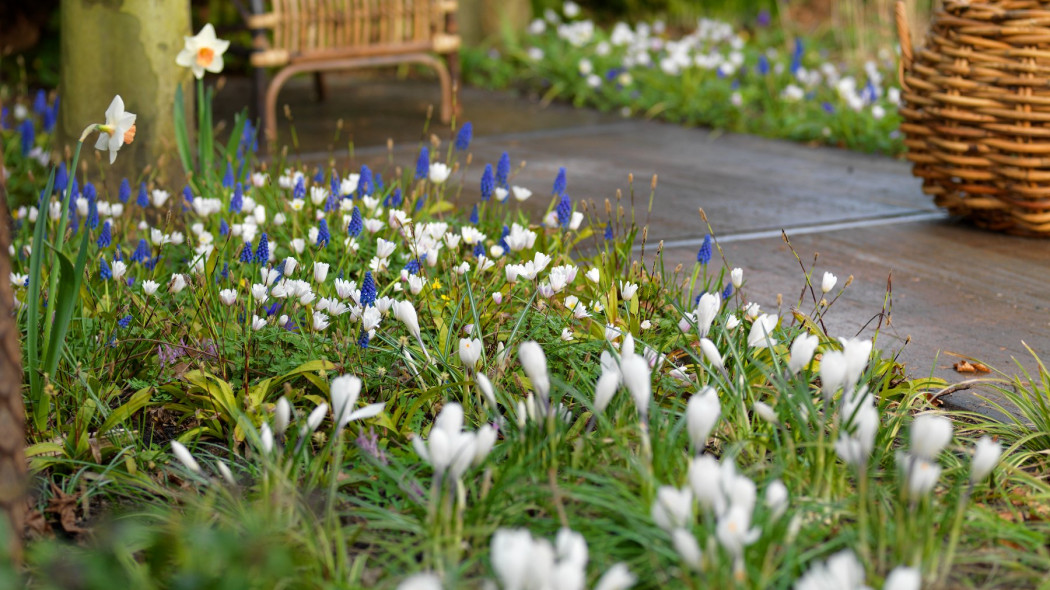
(929, 435)
(118, 129)
(706, 311)
(345, 391)
(637, 379)
(469, 351)
(985, 456)
(627, 290)
(203, 52)
(701, 414)
(828, 282)
(150, 287)
(448, 448)
(673, 508)
(736, 276)
(802, 350)
(282, 415)
(439, 172)
(761, 334)
(228, 296)
(534, 362)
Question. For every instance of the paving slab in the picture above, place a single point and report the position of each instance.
(955, 288)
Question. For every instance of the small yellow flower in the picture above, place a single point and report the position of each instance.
(435, 285)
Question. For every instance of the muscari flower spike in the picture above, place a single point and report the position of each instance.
(228, 178)
(393, 199)
(40, 102)
(474, 215)
(318, 176)
(412, 267)
(466, 133)
(608, 231)
(560, 183)
(262, 252)
(503, 171)
(503, 239)
(51, 117)
(246, 253)
(488, 183)
(356, 223)
(142, 200)
(323, 235)
(124, 322)
(28, 136)
(299, 192)
(368, 290)
(727, 292)
(237, 200)
(703, 255)
(224, 228)
(142, 252)
(564, 210)
(62, 177)
(125, 190)
(363, 338)
(187, 194)
(423, 164)
(364, 181)
(105, 237)
(104, 272)
(479, 250)
(377, 182)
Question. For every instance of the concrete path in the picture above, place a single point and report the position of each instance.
(954, 289)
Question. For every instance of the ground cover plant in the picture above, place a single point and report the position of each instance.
(747, 79)
(339, 376)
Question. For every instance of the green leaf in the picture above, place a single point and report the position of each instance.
(140, 399)
(36, 387)
(182, 136)
(66, 300)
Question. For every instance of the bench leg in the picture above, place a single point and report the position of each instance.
(320, 87)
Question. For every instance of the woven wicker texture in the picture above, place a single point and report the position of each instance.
(331, 35)
(975, 106)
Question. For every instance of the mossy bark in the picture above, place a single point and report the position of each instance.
(126, 47)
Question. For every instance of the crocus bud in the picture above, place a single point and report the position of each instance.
(316, 416)
(711, 354)
(282, 415)
(736, 276)
(185, 457)
(929, 435)
(265, 438)
(776, 498)
(828, 283)
(320, 271)
(486, 388)
(405, 313)
(688, 548)
(903, 578)
(985, 456)
(604, 390)
(637, 379)
(701, 414)
(534, 362)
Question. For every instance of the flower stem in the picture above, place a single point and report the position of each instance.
(953, 539)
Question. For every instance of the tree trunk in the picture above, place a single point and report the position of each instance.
(126, 48)
(12, 412)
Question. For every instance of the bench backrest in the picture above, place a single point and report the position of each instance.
(316, 29)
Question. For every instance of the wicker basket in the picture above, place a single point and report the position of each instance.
(975, 111)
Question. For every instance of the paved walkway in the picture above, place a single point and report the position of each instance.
(955, 290)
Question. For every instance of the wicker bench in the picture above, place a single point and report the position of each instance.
(300, 36)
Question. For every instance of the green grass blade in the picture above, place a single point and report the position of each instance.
(36, 386)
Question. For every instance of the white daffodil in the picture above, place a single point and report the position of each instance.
(203, 52)
(118, 129)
